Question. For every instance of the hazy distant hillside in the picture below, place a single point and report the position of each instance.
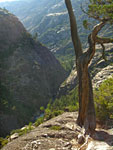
(50, 20)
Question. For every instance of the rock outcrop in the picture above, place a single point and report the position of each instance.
(29, 74)
(45, 137)
(99, 68)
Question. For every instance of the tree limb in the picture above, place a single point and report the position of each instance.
(92, 41)
(103, 40)
(97, 28)
(103, 52)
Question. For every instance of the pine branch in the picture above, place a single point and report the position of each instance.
(102, 40)
(90, 15)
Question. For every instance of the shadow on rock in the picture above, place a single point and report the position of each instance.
(103, 136)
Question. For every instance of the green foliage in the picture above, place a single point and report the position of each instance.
(86, 24)
(67, 64)
(39, 121)
(104, 100)
(103, 103)
(42, 109)
(64, 103)
(23, 131)
(30, 126)
(66, 60)
(15, 131)
(55, 128)
(57, 112)
(101, 8)
(19, 131)
(72, 108)
(48, 113)
(3, 142)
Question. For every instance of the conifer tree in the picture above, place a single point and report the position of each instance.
(101, 11)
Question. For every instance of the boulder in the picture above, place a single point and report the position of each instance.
(14, 136)
(97, 145)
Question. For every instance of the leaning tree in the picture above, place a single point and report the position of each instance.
(102, 11)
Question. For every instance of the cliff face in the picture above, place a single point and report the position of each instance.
(29, 74)
(10, 29)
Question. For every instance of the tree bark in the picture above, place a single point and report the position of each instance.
(86, 116)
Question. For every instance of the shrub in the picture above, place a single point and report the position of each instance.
(3, 142)
(42, 109)
(39, 121)
(30, 126)
(24, 131)
(104, 100)
(48, 114)
(56, 113)
(72, 108)
(55, 128)
(15, 131)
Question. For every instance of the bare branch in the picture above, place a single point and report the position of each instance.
(103, 52)
(92, 41)
(103, 40)
(97, 28)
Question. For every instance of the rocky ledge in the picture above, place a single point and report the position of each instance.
(100, 70)
(62, 133)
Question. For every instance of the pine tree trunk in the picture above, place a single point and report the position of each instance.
(86, 115)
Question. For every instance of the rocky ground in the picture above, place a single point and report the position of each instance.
(62, 133)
